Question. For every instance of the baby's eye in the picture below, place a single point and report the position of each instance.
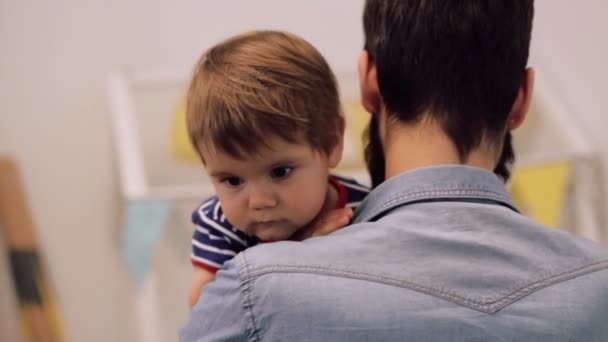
(232, 181)
(281, 172)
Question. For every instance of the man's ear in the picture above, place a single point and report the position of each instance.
(368, 83)
(522, 103)
(335, 154)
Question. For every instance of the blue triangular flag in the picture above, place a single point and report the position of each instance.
(143, 226)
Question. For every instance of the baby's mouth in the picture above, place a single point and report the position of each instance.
(265, 223)
(267, 231)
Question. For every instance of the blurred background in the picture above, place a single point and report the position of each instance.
(55, 120)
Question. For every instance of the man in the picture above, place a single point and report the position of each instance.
(437, 251)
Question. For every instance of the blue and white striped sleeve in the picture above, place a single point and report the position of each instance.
(215, 240)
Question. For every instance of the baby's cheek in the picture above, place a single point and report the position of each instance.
(308, 203)
(235, 215)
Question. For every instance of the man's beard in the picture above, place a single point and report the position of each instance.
(374, 153)
(375, 161)
(507, 157)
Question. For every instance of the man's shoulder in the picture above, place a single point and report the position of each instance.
(337, 252)
(536, 257)
(538, 279)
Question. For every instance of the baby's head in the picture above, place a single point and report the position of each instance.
(264, 115)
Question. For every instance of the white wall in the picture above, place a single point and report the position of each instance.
(570, 47)
(54, 56)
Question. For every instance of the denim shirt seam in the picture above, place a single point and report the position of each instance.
(489, 307)
(552, 279)
(246, 278)
(445, 294)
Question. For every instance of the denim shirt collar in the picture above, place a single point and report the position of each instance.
(436, 183)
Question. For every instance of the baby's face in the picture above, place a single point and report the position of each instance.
(274, 193)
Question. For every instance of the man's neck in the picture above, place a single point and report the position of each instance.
(425, 144)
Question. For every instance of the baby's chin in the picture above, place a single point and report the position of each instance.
(273, 234)
(273, 237)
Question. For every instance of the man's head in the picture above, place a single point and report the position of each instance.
(461, 64)
(264, 114)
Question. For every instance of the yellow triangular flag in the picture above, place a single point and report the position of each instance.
(540, 191)
(180, 144)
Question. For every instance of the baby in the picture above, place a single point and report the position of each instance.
(264, 115)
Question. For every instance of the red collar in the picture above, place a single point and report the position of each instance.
(342, 195)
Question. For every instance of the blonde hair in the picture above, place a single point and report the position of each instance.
(261, 84)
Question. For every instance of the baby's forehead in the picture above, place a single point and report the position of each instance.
(253, 140)
(274, 148)
(248, 148)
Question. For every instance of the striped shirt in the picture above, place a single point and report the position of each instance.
(216, 241)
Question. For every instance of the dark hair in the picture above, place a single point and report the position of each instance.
(374, 154)
(462, 62)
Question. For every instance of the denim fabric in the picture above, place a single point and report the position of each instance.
(434, 254)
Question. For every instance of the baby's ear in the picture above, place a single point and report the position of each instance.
(335, 154)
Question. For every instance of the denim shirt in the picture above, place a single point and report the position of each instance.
(434, 254)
